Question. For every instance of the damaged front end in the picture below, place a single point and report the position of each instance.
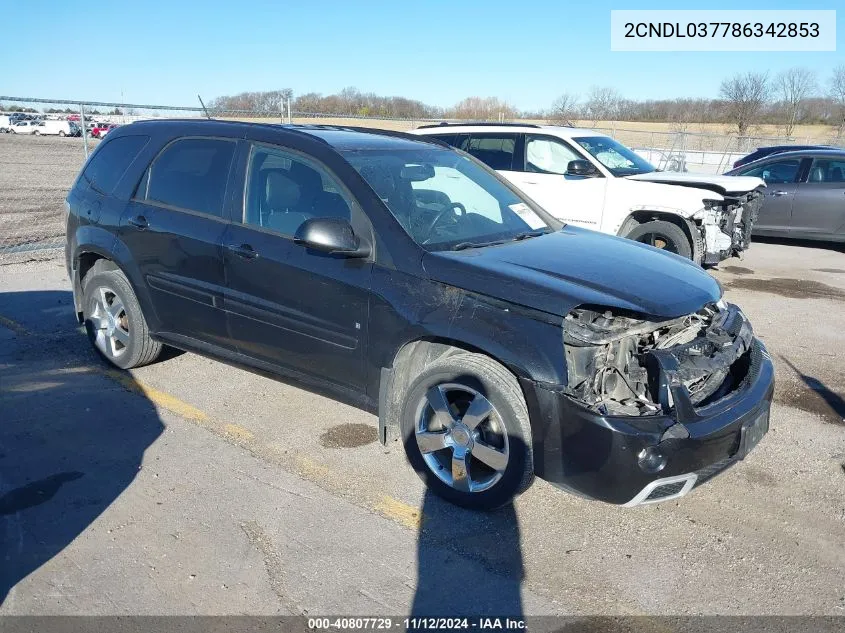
(726, 225)
(630, 365)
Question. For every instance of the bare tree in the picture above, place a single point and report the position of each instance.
(483, 109)
(837, 94)
(602, 104)
(564, 109)
(794, 85)
(745, 94)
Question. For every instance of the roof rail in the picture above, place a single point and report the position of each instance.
(477, 124)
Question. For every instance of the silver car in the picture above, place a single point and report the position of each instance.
(805, 197)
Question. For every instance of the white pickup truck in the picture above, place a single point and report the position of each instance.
(589, 179)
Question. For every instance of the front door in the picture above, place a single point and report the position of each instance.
(781, 176)
(288, 305)
(574, 199)
(173, 227)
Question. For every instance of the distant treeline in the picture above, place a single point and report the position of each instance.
(794, 96)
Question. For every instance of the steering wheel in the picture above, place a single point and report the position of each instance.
(451, 206)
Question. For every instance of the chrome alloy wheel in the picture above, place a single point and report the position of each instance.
(462, 437)
(109, 323)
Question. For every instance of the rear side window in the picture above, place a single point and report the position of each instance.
(191, 174)
(111, 160)
(495, 151)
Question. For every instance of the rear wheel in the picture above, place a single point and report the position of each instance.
(61, 133)
(466, 431)
(113, 319)
(663, 235)
(37, 133)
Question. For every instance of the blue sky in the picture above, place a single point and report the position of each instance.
(528, 52)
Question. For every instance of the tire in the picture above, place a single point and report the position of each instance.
(36, 133)
(663, 235)
(497, 424)
(62, 133)
(114, 322)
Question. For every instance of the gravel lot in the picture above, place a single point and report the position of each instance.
(35, 175)
(191, 487)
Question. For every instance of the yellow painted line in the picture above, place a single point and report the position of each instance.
(400, 512)
(159, 398)
(238, 432)
(16, 327)
(309, 467)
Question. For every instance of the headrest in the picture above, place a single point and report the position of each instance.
(281, 191)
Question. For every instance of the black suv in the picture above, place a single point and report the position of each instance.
(404, 276)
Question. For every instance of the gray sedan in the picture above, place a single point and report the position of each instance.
(805, 195)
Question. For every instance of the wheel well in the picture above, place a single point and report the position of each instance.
(641, 217)
(85, 262)
(408, 363)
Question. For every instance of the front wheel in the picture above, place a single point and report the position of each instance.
(62, 133)
(663, 235)
(37, 133)
(113, 319)
(466, 431)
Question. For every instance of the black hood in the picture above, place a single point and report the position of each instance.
(574, 266)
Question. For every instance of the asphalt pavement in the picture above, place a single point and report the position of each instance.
(191, 487)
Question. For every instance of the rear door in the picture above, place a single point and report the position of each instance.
(289, 306)
(173, 227)
(781, 176)
(820, 200)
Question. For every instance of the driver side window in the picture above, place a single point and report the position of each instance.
(547, 156)
(776, 172)
(285, 189)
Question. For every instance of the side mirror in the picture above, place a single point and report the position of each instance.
(581, 168)
(331, 235)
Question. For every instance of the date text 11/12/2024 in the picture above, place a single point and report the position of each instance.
(420, 623)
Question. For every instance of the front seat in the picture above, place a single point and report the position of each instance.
(283, 211)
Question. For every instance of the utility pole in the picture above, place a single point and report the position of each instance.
(84, 130)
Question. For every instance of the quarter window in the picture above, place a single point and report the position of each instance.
(191, 174)
(286, 189)
(111, 160)
(547, 156)
(777, 172)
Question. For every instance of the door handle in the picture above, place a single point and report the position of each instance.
(139, 222)
(780, 192)
(244, 251)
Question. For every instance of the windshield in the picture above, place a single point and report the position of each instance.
(619, 160)
(445, 200)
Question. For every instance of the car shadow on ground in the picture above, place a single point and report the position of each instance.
(468, 563)
(838, 247)
(833, 400)
(71, 441)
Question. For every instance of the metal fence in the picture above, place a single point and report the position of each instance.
(36, 170)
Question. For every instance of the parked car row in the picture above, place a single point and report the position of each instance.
(38, 127)
(400, 274)
(806, 192)
(18, 123)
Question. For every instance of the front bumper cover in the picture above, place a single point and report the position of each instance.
(595, 456)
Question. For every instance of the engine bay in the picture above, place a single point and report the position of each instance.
(625, 364)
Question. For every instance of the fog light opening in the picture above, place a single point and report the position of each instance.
(651, 460)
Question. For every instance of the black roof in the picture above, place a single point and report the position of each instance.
(338, 137)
